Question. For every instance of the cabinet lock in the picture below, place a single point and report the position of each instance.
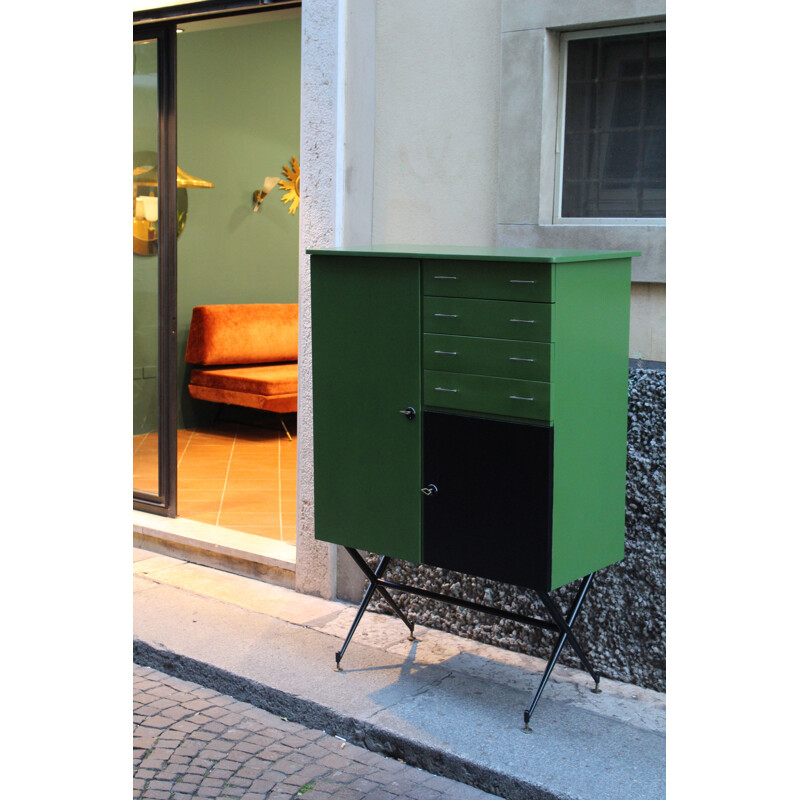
(409, 412)
(430, 489)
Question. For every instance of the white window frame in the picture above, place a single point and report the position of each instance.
(566, 37)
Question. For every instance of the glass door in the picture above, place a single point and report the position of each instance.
(154, 211)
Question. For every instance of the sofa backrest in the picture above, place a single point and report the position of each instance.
(247, 333)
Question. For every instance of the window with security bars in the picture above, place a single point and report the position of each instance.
(614, 148)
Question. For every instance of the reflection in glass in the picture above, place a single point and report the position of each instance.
(145, 276)
(145, 201)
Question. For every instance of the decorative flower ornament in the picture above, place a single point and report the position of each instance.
(291, 186)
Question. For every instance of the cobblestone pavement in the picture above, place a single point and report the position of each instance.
(192, 742)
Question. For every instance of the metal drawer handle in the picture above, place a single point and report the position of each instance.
(529, 321)
(442, 389)
(517, 281)
(409, 412)
(450, 316)
(514, 358)
(515, 397)
(445, 352)
(445, 277)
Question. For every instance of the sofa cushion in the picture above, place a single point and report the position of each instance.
(248, 333)
(270, 387)
(267, 380)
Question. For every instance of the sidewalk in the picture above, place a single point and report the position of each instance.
(448, 705)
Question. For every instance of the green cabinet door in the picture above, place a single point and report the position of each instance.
(366, 355)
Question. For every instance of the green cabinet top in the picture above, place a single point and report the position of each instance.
(546, 255)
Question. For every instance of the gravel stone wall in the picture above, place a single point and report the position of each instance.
(622, 622)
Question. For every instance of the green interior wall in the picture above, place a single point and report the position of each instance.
(238, 121)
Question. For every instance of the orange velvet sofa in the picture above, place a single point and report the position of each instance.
(245, 355)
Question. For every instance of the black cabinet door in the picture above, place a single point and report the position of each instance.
(490, 514)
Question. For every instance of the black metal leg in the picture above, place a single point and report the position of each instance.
(363, 607)
(557, 622)
(373, 578)
(566, 633)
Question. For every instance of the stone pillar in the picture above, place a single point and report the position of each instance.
(336, 147)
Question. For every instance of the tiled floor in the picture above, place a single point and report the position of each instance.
(235, 476)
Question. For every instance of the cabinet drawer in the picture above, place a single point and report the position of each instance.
(500, 280)
(502, 358)
(493, 319)
(506, 397)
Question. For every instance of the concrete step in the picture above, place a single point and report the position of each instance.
(219, 548)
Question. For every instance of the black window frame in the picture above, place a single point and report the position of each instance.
(165, 501)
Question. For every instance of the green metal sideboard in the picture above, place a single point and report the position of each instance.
(470, 411)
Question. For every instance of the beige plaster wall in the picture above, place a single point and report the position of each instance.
(437, 73)
(648, 321)
(528, 92)
(461, 147)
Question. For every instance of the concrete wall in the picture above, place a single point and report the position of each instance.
(464, 123)
(530, 35)
(437, 70)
